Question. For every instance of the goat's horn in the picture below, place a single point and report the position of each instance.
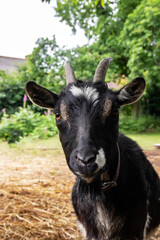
(101, 70)
(70, 77)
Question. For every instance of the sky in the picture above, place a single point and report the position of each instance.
(22, 22)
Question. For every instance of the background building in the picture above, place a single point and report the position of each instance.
(9, 64)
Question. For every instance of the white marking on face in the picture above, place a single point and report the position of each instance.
(89, 93)
(100, 159)
(76, 91)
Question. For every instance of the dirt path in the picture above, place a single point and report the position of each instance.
(35, 190)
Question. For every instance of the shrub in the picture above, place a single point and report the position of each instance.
(12, 88)
(25, 122)
(151, 100)
(141, 124)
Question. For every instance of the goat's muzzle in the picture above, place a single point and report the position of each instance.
(86, 163)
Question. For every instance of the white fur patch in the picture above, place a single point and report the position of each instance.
(89, 93)
(146, 225)
(102, 218)
(76, 91)
(82, 229)
(148, 219)
(107, 223)
(100, 159)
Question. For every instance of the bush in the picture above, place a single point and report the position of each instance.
(151, 100)
(12, 89)
(11, 94)
(141, 124)
(27, 123)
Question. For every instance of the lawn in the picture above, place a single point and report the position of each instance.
(145, 140)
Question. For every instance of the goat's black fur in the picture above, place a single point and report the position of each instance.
(89, 126)
(136, 195)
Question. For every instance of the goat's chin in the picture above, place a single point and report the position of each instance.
(90, 178)
(87, 179)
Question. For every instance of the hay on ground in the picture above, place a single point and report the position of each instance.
(35, 196)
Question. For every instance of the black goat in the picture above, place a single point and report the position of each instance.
(116, 195)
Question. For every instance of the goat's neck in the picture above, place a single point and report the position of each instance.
(107, 181)
(112, 157)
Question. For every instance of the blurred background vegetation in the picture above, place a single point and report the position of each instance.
(127, 31)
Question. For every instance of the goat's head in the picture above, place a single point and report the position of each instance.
(87, 117)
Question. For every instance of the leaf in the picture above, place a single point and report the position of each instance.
(102, 3)
(97, 1)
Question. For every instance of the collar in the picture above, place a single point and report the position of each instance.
(107, 185)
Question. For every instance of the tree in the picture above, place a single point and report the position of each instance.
(102, 22)
(126, 30)
(46, 62)
(141, 40)
(44, 65)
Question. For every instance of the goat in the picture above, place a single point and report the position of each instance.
(116, 195)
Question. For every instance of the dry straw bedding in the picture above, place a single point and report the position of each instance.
(35, 192)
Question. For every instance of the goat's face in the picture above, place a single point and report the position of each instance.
(87, 119)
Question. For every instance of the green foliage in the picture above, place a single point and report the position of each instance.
(12, 88)
(141, 40)
(151, 100)
(96, 17)
(102, 22)
(126, 30)
(25, 122)
(45, 64)
(2, 73)
(141, 124)
(47, 1)
(11, 92)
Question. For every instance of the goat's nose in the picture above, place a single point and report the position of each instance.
(86, 158)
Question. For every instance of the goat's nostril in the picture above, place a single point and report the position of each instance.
(86, 158)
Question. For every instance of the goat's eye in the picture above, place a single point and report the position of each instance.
(58, 116)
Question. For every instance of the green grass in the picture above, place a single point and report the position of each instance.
(145, 140)
(52, 142)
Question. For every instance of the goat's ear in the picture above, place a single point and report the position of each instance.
(41, 96)
(131, 92)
